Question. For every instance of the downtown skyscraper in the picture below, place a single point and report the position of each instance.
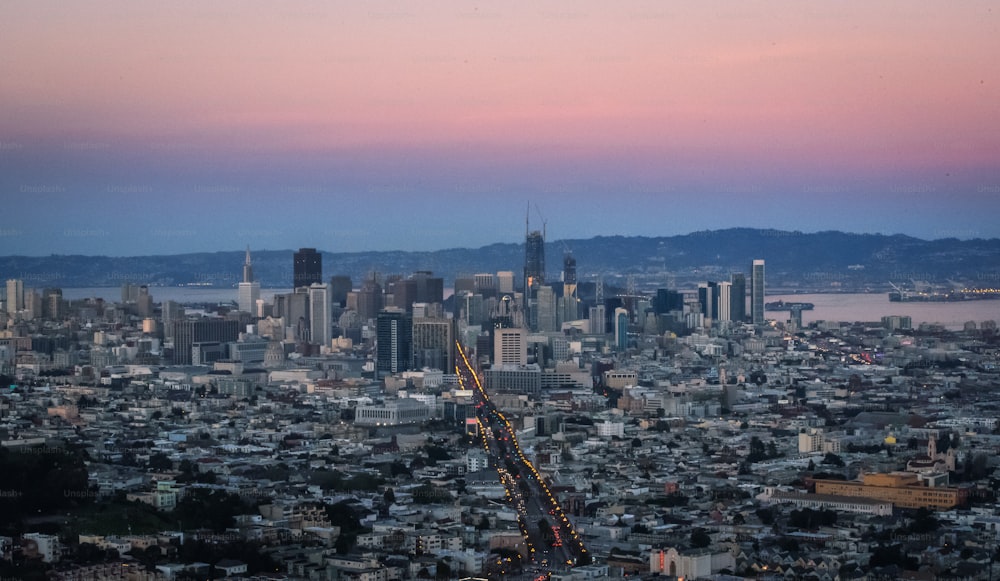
(307, 267)
(757, 292)
(320, 319)
(249, 289)
(534, 271)
(534, 260)
(738, 297)
(393, 341)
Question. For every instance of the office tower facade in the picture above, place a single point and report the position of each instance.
(171, 311)
(757, 292)
(53, 305)
(320, 319)
(393, 342)
(15, 295)
(534, 260)
(505, 282)
(403, 294)
(130, 292)
(534, 273)
(430, 288)
(708, 299)
(298, 318)
(725, 293)
(340, 286)
(486, 284)
(571, 295)
(144, 302)
(369, 299)
(420, 287)
(621, 329)
(472, 308)
(249, 289)
(464, 284)
(32, 304)
(597, 324)
(187, 333)
(307, 267)
(510, 346)
(738, 297)
(434, 344)
(545, 306)
(667, 300)
(610, 304)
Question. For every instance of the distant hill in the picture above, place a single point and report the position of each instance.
(818, 261)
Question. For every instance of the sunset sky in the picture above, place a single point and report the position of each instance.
(162, 127)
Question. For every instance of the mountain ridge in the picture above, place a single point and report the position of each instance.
(828, 259)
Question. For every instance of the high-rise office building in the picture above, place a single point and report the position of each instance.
(53, 305)
(307, 267)
(534, 272)
(667, 300)
(738, 297)
(725, 291)
(187, 333)
(597, 325)
(621, 329)
(610, 304)
(15, 295)
(393, 341)
(505, 282)
(571, 296)
(249, 289)
(368, 300)
(420, 287)
(510, 346)
(171, 311)
(534, 260)
(434, 343)
(144, 302)
(298, 317)
(320, 320)
(545, 302)
(708, 299)
(32, 304)
(486, 284)
(471, 308)
(130, 292)
(340, 286)
(757, 292)
(463, 284)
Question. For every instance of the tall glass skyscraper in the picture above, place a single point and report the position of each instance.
(738, 297)
(307, 267)
(757, 292)
(534, 261)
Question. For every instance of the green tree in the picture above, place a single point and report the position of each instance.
(160, 461)
(700, 539)
(758, 451)
(833, 459)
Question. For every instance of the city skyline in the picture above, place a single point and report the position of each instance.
(142, 129)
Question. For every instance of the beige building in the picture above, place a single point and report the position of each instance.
(902, 489)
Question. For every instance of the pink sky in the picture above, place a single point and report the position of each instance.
(709, 93)
(901, 81)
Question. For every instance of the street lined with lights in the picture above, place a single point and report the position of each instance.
(525, 487)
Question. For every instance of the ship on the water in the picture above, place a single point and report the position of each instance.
(788, 306)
